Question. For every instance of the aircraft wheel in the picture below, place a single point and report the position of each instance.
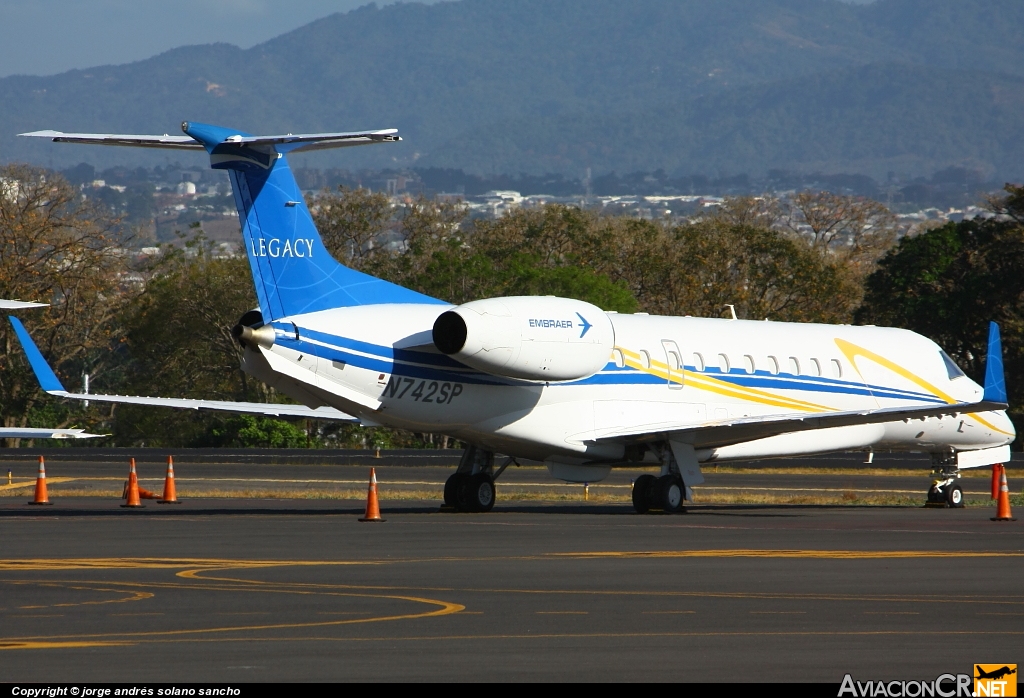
(451, 489)
(954, 496)
(935, 495)
(477, 493)
(669, 494)
(641, 493)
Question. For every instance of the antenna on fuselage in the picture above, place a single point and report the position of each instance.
(732, 311)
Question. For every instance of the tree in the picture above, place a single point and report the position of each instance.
(764, 273)
(351, 222)
(177, 341)
(855, 229)
(57, 248)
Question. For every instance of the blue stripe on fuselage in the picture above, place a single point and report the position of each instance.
(427, 365)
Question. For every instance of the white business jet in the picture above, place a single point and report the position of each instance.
(560, 380)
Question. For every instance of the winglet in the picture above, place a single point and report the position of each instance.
(995, 383)
(44, 374)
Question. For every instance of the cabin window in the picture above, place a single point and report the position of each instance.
(794, 366)
(673, 361)
(773, 365)
(837, 368)
(645, 359)
(723, 363)
(748, 361)
(619, 358)
(815, 367)
(698, 362)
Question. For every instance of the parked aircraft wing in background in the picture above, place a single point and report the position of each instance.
(52, 385)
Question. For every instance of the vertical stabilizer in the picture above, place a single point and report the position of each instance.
(995, 383)
(291, 268)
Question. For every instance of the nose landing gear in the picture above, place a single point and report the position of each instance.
(945, 491)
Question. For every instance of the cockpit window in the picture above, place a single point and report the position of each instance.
(952, 370)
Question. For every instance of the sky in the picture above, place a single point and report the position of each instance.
(44, 37)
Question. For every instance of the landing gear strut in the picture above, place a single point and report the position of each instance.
(471, 487)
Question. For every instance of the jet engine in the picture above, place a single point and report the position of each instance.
(540, 338)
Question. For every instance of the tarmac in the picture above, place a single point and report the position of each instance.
(245, 590)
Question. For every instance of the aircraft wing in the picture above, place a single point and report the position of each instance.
(51, 384)
(31, 433)
(286, 143)
(164, 141)
(726, 432)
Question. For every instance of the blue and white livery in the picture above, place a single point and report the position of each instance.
(560, 380)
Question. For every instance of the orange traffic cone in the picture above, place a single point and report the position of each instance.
(1003, 506)
(133, 489)
(372, 507)
(170, 494)
(996, 469)
(41, 497)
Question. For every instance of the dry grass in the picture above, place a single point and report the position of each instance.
(511, 493)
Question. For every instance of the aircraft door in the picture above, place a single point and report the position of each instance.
(674, 361)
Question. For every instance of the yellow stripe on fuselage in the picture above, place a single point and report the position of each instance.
(852, 351)
(718, 386)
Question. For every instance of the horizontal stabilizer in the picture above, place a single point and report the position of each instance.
(32, 433)
(52, 385)
(283, 144)
(20, 305)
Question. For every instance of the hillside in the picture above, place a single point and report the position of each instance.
(525, 85)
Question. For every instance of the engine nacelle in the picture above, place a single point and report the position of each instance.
(541, 338)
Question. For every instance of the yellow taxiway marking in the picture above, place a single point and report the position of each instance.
(131, 595)
(519, 636)
(101, 639)
(813, 554)
(57, 644)
(32, 482)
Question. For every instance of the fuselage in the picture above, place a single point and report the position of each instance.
(665, 373)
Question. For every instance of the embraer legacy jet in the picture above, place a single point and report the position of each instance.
(560, 380)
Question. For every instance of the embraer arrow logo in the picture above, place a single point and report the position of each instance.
(586, 325)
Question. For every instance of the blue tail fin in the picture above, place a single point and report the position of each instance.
(995, 383)
(291, 268)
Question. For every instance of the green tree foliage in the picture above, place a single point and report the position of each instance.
(178, 342)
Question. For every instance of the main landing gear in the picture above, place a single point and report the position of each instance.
(665, 493)
(471, 487)
(668, 491)
(945, 490)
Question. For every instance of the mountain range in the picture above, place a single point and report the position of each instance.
(491, 86)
